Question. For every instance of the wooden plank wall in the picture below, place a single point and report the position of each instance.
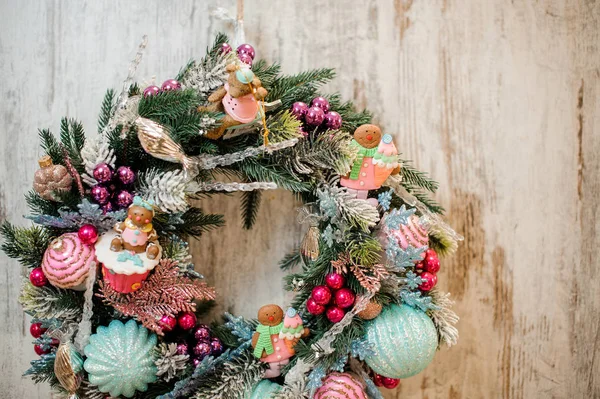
(498, 100)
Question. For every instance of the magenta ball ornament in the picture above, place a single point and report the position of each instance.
(333, 120)
(126, 175)
(40, 351)
(151, 91)
(36, 330)
(88, 234)
(344, 298)
(335, 314)
(183, 348)
(100, 194)
(170, 85)
(186, 320)
(202, 333)
(123, 199)
(314, 308)
(299, 110)
(216, 347)
(196, 362)
(202, 349)
(167, 323)
(106, 208)
(246, 49)
(103, 173)
(377, 380)
(37, 277)
(335, 281)
(390, 383)
(320, 102)
(429, 281)
(225, 48)
(321, 295)
(314, 116)
(246, 59)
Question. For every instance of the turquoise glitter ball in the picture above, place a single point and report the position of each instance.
(404, 340)
(264, 389)
(120, 358)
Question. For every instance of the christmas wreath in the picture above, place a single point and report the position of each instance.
(112, 292)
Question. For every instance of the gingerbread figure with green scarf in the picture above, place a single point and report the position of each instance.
(275, 337)
(376, 160)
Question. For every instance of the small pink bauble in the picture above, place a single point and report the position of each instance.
(67, 261)
(151, 91)
(103, 173)
(216, 347)
(390, 383)
(186, 320)
(88, 234)
(314, 116)
(335, 314)
(333, 120)
(183, 348)
(170, 85)
(123, 199)
(100, 194)
(37, 277)
(320, 102)
(225, 48)
(429, 281)
(299, 109)
(246, 59)
(40, 351)
(201, 332)
(196, 362)
(335, 281)
(344, 298)
(36, 330)
(167, 323)
(106, 208)
(341, 386)
(126, 175)
(202, 349)
(246, 49)
(314, 308)
(321, 294)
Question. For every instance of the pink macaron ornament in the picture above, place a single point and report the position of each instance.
(67, 262)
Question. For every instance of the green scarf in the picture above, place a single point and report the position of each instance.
(360, 156)
(264, 339)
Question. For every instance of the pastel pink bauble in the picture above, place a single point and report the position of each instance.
(67, 262)
(341, 386)
(412, 234)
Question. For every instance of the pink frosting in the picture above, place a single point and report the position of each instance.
(67, 261)
(342, 386)
(243, 109)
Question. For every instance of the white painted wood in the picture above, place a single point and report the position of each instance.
(498, 100)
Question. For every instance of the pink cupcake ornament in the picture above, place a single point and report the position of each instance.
(67, 262)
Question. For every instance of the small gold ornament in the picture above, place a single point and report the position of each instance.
(51, 179)
(371, 311)
(310, 244)
(68, 366)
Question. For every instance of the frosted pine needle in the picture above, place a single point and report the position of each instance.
(444, 317)
(167, 190)
(170, 363)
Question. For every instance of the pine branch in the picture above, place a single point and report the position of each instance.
(72, 138)
(168, 105)
(107, 110)
(290, 260)
(300, 87)
(250, 206)
(416, 178)
(49, 302)
(42, 370)
(27, 245)
(266, 73)
(50, 146)
(196, 222)
(257, 171)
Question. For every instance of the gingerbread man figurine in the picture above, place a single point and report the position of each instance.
(136, 233)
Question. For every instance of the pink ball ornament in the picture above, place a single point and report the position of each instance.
(377, 380)
(196, 362)
(182, 348)
(186, 320)
(202, 349)
(225, 48)
(299, 110)
(88, 234)
(335, 281)
(36, 330)
(171, 85)
(344, 298)
(314, 308)
(246, 59)
(341, 386)
(100, 194)
(167, 323)
(429, 281)
(321, 295)
(202, 333)
(103, 173)
(320, 102)
(314, 116)
(106, 208)
(67, 261)
(123, 199)
(126, 175)
(335, 314)
(37, 277)
(216, 347)
(246, 49)
(40, 351)
(390, 383)
(333, 120)
(151, 91)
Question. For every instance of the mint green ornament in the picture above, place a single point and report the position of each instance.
(120, 358)
(263, 390)
(404, 340)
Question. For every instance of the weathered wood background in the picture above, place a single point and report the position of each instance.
(498, 100)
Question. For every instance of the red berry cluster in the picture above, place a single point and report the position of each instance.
(428, 268)
(332, 298)
(36, 330)
(386, 382)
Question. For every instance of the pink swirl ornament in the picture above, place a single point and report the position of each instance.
(341, 386)
(67, 262)
(412, 234)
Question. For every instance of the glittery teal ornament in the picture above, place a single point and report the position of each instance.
(120, 358)
(263, 390)
(404, 341)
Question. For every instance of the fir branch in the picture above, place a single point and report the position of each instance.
(290, 260)
(250, 206)
(50, 146)
(257, 171)
(416, 178)
(42, 370)
(50, 302)
(195, 222)
(27, 245)
(266, 73)
(72, 137)
(300, 87)
(107, 110)
(169, 105)
(444, 317)
(283, 126)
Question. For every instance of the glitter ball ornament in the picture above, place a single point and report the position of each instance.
(88, 234)
(126, 175)
(299, 110)
(344, 298)
(314, 116)
(314, 308)
(36, 330)
(167, 323)
(100, 194)
(120, 358)
(106, 208)
(333, 120)
(264, 389)
(246, 59)
(201, 332)
(412, 234)
(103, 173)
(37, 277)
(371, 311)
(404, 341)
(321, 295)
(320, 102)
(68, 365)
(429, 281)
(50, 180)
(341, 386)
(151, 91)
(216, 346)
(335, 281)
(183, 348)
(390, 383)
(431, 263)
(170, 85)
(377, 380)
(202, 349)
(40, 351)
(186, 320)
(246, 49)
(335, 314)
(123, 199)
(67, 262)
(225, 48)
(196, 362)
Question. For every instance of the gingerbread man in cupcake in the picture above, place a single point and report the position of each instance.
(136, 233)
(376, 160)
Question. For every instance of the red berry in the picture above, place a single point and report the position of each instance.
(37, 277)
(431, 253)
(390, 383)
(429, 281)
(335, 314)
(321, 294)
(39, 350)
(36, 330)
(431, 264)
(167, 323)
(186, 320)
(344, 298)
(314, 308)
(377, 380)
(335, 281)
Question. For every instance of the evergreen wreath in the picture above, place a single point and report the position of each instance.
(113, 294)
